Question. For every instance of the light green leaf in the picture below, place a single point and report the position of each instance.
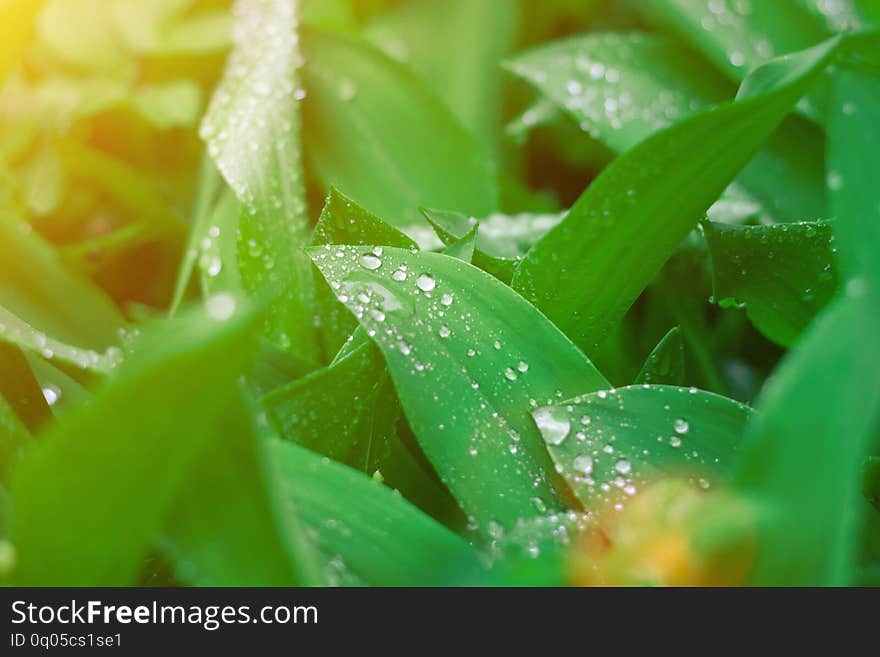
(853, 161)
(587, 271)
(377, 133)
(737, 35)
(252, 129)
(623, 87)
(783, 274)
(610, 443)
(177, 103)
(47, 309)
(665, 364)
(468, 358)
(805, 450)
(839, 15)
(142, 433)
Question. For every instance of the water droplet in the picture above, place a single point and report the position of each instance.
(221, 306)
(370, 261)
(444, 331)
(675, 441)
(681, 426)
(835, 181)
(554, 429)
(623, 466)
(399, 275)
(737, 58)
(583, 464)
(52, 394)
(426, 283)
(523, 366)
(446, 299)
(509, 374)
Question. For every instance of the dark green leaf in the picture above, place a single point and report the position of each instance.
(783, 274)
(21, 390)
(665, 364)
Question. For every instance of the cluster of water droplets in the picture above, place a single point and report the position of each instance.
(420, 320)
(589, 440)
(601, 93)
(251, 126)
(730, 21)
(26, 336)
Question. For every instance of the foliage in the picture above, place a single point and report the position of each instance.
(439, 292)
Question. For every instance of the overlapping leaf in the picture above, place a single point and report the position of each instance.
(468, 358)
(377, 133)
(119, 461)
(252, 129)
(609, 443)
(783, 274)
(588, 270)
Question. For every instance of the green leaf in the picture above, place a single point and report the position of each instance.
(177, 103)
(367, 532)
(456, 46)
(14, 438)
(252, 129)
(207, 189)
(468, 357)
(343, 221)
(839, 16)
(223, 529)
(587, 271)
(738, 36)
(365, 436)
(502, 240)
(610, 443)
(623, 87)
(805, 450)
(37, 287)
(376, 132)
(22, 409)
(50, 311)
(119, 461)
(853, 159)
(783, 274)
(665, 364)
(20, 389)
